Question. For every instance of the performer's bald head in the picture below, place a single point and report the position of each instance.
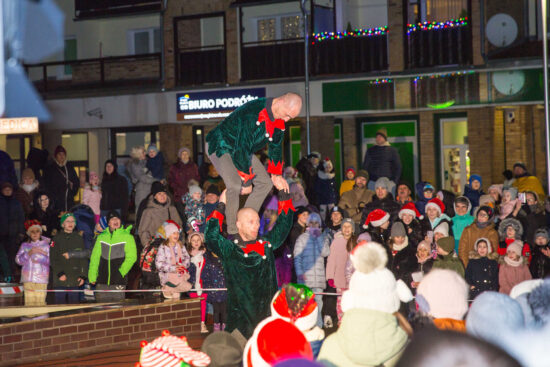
(287, 106)
(248, 224)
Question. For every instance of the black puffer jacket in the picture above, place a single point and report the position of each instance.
(382, 161)
(114, 190)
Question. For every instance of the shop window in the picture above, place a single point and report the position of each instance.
(125, 141)
(455, 154)
(18, 146)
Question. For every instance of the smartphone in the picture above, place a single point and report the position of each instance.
(522, 197)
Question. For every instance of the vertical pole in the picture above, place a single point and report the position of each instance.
(306, 68)
(545, 70)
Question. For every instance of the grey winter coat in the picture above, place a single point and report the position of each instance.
(153, 216)
(309, 262)
(141, 178)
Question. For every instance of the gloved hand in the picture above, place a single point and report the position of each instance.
(331, 283)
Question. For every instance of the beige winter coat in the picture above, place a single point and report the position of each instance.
(469, 237)
(354, 201)
(153, 216)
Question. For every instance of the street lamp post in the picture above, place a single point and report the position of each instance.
(303, 4)
(545, 73)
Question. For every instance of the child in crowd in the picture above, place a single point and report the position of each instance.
(446, 258)
(34, 257)
(325, 188)
(212, 277)
(462, 218)
(510, 230)
(510, 205)
(155, 162)
(409, 215)
(269, 216)
(69, 261)
(92, 195)
(401, 254)
(194, 207)
(473, 191)
(196, 249)
(349, 182)
(482, 269)
(424, 263)
(377, 225)
(540, 264)
(425, 192)
(172, 263)
(513, 270)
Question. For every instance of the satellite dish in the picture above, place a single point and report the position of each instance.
(501, 30)
(508, 82)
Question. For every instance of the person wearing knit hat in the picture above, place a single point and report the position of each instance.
(482, 270)
(473, 190)
(435, 216)
(462, 217)
(60, 180)
(401, 252)
(91, 195)
(181, 172)
(34, 257)
(275, 340)
(422, 265)
(443, 296)
(26, 190)
(482, 227)
(373, 298)
(446, 258)
(441, 230)
(540, 263)
(382, 160)
(223, 349)
(496, 192)
(155, 162)
(404, 193)
(194, 208)
(513, 270)
(349, 181)
(398, 230)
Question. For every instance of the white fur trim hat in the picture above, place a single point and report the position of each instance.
(410, 208)
(376, 218)
(442, 228)
(436, 203)
(372, 286)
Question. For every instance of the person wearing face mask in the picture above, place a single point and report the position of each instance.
(309, 259)
(248, 262)
(27, 189)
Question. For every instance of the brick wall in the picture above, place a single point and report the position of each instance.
(129, 69)
(395, 36)
(99, 331)
(428, 169)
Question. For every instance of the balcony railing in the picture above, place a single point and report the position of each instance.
(89, 9)
(285, 58)
(106, 72)
(201, 65)
(438, 44)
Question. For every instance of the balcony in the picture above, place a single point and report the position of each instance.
(432, 44)
(329, 55)
(107, 72)
(91, 9)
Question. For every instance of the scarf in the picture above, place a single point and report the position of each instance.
(514, 263)
(325, 176)
(402, 246)
(483, 225)
(29, 188)
(507, 208)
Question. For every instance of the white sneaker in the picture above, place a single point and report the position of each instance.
(204, 329)
(328, 322)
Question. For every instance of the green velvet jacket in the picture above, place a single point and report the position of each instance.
(251, 279)
(240, 135)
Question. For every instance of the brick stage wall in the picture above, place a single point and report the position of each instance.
(97, 331)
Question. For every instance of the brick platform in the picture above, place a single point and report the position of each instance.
(96, 331)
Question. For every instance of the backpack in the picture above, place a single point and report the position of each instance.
(149, 255)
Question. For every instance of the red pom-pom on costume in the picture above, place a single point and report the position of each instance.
(270, 126)
(219, 216)
(275, 169)
(285, 206)
(246, 176)
(165, 332)
(143, 343)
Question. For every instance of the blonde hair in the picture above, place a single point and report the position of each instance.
(136, 152)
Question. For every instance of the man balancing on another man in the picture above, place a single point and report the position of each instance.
(248, 262)
(231, 146)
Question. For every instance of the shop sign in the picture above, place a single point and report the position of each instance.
(19, 125)
(215, 104)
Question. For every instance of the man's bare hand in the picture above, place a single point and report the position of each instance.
(223, 197)
(280, 183)
(245, 190)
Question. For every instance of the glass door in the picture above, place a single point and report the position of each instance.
(455, 160)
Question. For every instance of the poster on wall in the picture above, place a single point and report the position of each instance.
(214, 104)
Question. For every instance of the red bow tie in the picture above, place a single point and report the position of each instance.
(270, 126)
(257, 247)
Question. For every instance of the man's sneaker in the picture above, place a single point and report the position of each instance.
(204, 329)
(328, 322)
(217, 327)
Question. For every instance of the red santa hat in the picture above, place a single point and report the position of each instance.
(376, 218)
(410, 208)
(169, 350)
(295, 303)
(275, 340)
(436, 203)
(33, 223)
